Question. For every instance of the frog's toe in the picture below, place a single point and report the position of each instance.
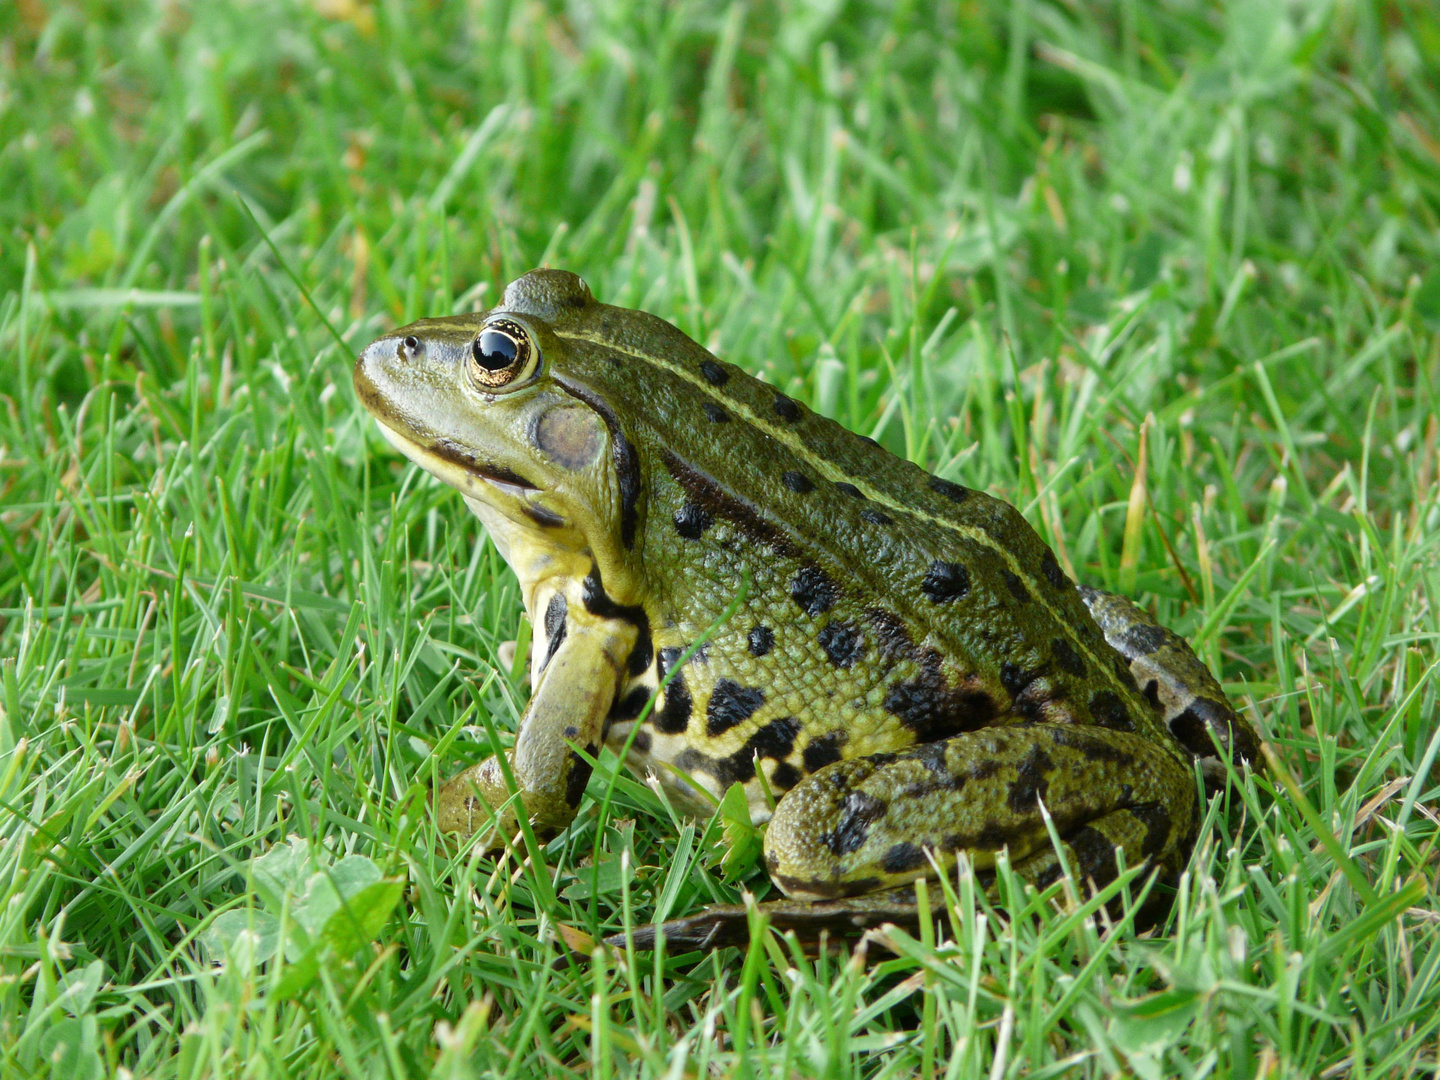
(465, 804)
(720, 925)
(505, 654)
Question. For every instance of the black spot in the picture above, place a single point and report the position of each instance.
(731, 704)
(1053, 574)
(703, 490)
(797, 482)
(691, 521)
(1094, 856)
(903, 857)
(813, 590)
(1031, 706)
(822, 751)
(714, 373)
(1032, 780)
(842, 643)
(931, 708)
(691, 760)
(761, 640)
(715, 413)
(875, 517)
(1109, 711)
(932, 756)
(784, 776)
(624, 455)
(1068, 659)
(555, 613)
(1016, 586)
(985, 769)
(1015, 678)
(1156, 820)
(579, 776)
(1142, 639)
(570, 732)
(1151, 690)
(1090, 746)
(642, 652)
(640, 744)
(891, 634)
(945, 581)
(776, 739)
(856, 816)
(631, 705)
(1048, 876)
(1204, 721)
(951, 491)
(786, 409)
(848, 489)
(598, 602)
(738, 768)
(674, 715)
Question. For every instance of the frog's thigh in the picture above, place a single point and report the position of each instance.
(569, 707)
(867, 824)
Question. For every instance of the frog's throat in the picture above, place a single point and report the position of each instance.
(536, 554)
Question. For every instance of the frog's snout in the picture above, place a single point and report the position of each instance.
(372, 372)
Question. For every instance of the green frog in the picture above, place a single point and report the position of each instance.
(907, 673)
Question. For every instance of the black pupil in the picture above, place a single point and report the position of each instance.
(495, 350)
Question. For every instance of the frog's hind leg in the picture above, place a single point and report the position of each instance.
(847, 842)
(1177, 682)
(874, 823)
(1092, 851)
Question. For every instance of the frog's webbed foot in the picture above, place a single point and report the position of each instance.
(1178, 683)
(812, 922)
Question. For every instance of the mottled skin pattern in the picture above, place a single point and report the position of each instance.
(910, 671)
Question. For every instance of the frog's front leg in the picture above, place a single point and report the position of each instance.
(871, 823)
(567, 710)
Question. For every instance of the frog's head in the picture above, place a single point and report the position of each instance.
(482, 401)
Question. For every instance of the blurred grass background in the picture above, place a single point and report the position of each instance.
(1164, 274)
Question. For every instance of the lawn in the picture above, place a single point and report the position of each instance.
(1165, 275)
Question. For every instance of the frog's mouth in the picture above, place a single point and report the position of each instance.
(457, 466)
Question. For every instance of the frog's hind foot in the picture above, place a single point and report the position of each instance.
(1092, 854)
(1177, 682)
(812, 922)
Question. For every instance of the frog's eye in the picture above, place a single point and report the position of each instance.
(503, 352)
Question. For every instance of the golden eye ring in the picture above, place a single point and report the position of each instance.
(501, 353)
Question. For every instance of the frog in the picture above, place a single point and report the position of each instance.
(728, 588)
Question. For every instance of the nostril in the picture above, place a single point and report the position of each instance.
(411, 346)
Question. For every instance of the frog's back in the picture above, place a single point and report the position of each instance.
(883, 606)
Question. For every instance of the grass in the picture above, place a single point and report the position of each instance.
(1166, 275)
